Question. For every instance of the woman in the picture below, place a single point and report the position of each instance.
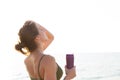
(34, 39)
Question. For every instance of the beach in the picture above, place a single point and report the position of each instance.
(89, 66)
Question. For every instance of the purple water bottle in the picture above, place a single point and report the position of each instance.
(69, 60)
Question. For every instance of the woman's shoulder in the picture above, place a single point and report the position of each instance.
(48, 59)
(49, 63)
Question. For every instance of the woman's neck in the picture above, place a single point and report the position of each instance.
(37, 52)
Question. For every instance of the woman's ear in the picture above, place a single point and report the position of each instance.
(37, 38)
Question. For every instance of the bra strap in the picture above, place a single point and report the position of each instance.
(39, 65)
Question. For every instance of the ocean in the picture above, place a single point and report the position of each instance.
(89, 66)
(104, 66)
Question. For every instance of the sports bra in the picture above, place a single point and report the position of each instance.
(59, 72)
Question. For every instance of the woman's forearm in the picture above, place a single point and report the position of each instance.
(66, 78)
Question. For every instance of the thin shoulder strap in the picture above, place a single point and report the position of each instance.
(39, 65)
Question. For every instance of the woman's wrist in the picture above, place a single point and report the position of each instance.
(66, 78)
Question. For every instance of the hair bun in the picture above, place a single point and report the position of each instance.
(19, 46)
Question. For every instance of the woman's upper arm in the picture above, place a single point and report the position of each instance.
(50, 68)
(49, 36)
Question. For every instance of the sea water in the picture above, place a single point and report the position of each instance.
(89, 66)
(104, 66)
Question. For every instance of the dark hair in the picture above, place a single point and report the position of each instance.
(27, 34)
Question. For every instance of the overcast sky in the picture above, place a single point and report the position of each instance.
(82, 26)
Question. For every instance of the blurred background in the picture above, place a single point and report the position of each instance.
(89, 29)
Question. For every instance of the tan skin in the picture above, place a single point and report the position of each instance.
(48, 66)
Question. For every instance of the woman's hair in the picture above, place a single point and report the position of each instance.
(27, 34)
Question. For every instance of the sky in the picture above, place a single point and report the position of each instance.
(82, 26)
(79, 26)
